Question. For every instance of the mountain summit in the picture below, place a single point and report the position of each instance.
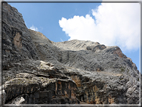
(36, 70)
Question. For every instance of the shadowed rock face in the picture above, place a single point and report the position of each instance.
(39, 71)
(40, 90)
(17, 43)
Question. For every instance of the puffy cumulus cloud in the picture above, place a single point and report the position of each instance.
(111, 24)
(34, 28)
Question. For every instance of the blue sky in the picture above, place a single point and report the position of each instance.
(46, 16)
(106, 23)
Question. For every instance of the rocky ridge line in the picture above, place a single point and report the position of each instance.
(72, 72)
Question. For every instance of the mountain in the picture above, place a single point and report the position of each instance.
(36, 70)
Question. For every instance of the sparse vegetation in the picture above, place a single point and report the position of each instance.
(122, 69)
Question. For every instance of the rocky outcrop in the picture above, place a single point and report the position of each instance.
(39, 71)
(40, 90)
(46, 86)
(16, 40)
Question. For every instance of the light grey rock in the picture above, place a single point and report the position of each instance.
(17, 101)
(2, 97)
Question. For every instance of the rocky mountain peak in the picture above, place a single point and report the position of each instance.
(36, 70)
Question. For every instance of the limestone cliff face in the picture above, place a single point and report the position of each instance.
(39, 71)
(17, 43)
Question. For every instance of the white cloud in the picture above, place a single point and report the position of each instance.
(34, 28)
(111, 24)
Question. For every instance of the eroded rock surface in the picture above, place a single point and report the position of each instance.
(39, 71)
